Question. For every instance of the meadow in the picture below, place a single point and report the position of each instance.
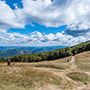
(47, 75)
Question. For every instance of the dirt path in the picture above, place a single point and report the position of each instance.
(67, 83)
(72, 60)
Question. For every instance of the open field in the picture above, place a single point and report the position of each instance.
(48, 75)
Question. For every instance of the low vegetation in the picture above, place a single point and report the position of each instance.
(26, 77)
(79, 76)
(53, 66)
(83, 61)
(3, 60)
(47, 75)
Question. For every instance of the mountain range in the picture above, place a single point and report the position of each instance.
(9, 51)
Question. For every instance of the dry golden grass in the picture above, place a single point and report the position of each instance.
(48, 75)
(26, 77)
(83, 61)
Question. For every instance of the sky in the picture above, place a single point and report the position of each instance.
(44, 22)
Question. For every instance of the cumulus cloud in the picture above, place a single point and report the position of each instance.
(8, 18)
(59, 12)
(45, 12)
(73, 13)
(36, 38)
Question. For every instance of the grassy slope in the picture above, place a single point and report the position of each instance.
(47, 75)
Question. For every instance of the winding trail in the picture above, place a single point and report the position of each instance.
(72, 60)
(67, 83)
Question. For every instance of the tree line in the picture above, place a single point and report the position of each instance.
(51, 55)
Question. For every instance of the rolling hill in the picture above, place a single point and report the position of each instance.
(48, 75)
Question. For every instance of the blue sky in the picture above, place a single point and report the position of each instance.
(29, 28)
(12, 2)
(40, 28)
(44, 22)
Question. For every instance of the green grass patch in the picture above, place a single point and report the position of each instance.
(77, 76)
(52, 66)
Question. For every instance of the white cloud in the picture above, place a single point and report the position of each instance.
(38, 39)
(74, 13)
(8, 18)
(60, 12)
(45, 12)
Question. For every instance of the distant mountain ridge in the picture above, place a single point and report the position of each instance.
(9, 51)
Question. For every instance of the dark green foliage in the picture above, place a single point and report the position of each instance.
(59, 53)
(51, 55)
(81, 47)
(3, 60)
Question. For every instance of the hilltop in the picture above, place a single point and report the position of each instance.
(48, 75)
